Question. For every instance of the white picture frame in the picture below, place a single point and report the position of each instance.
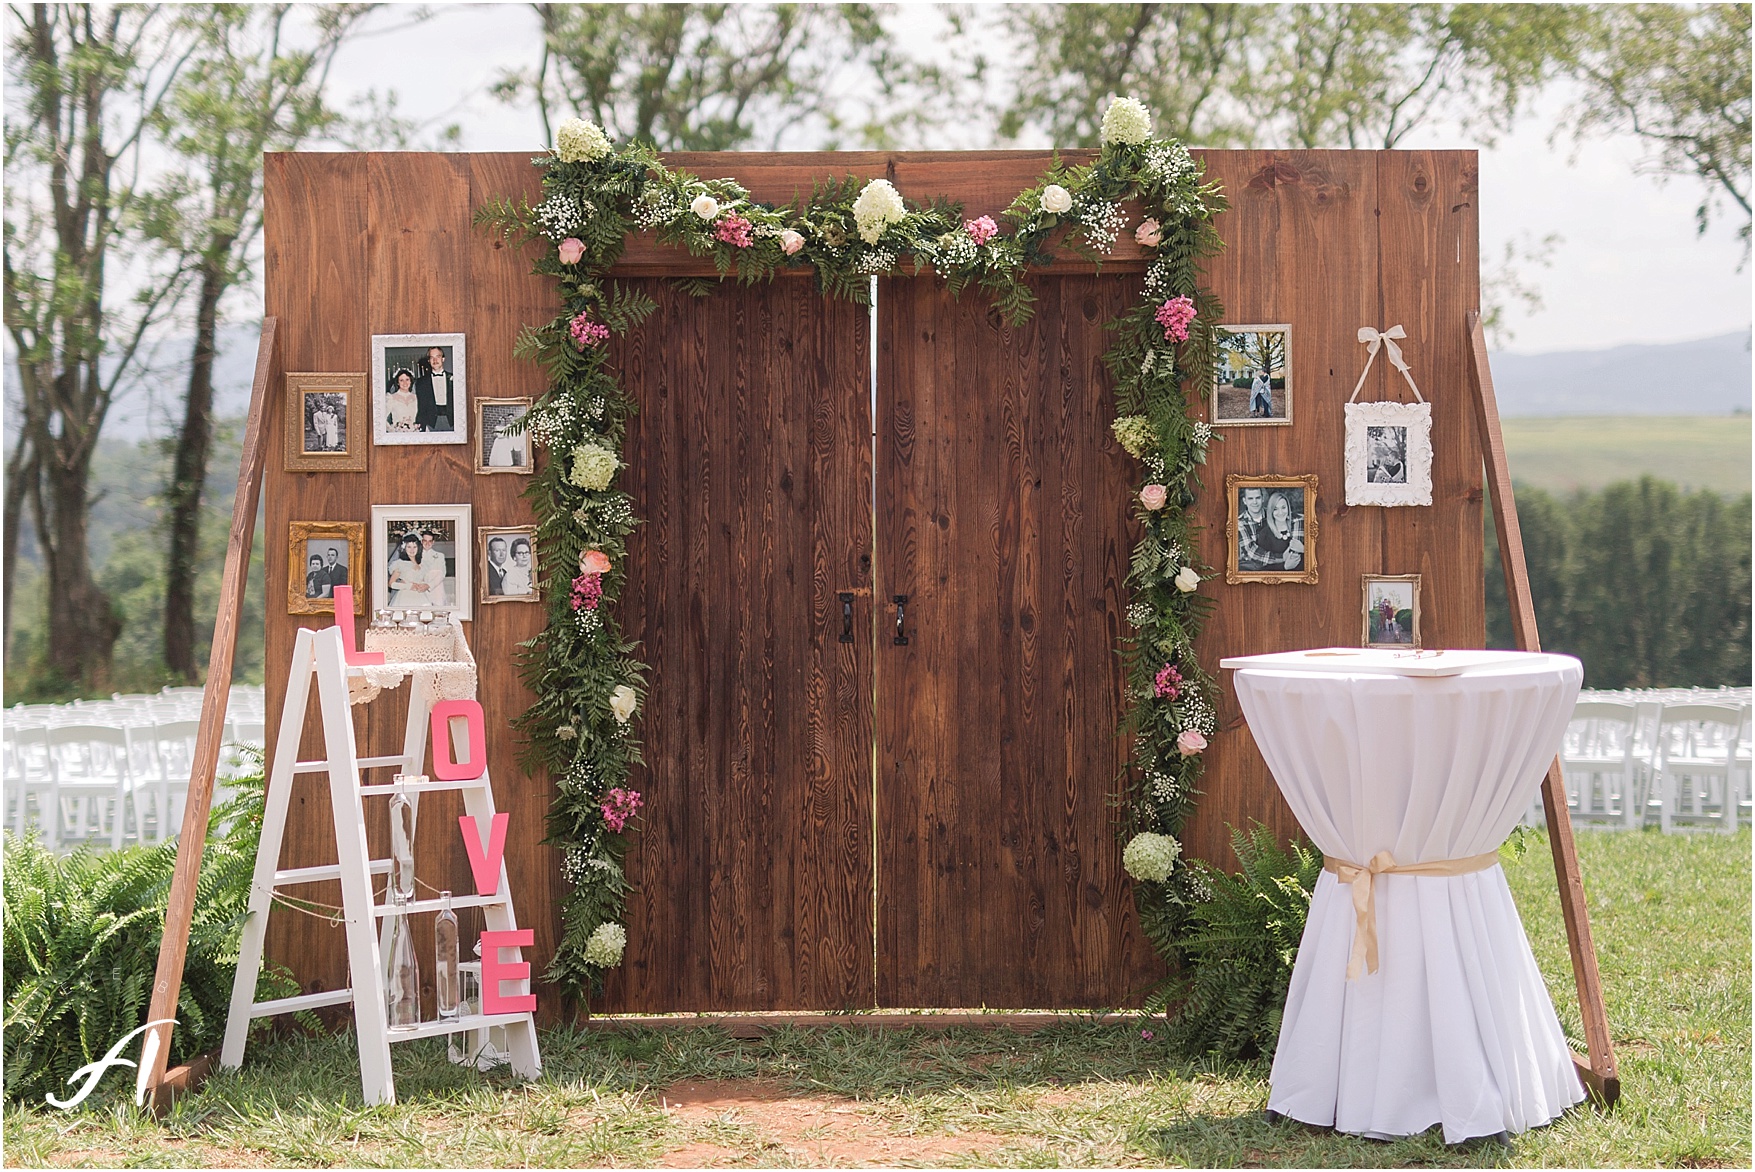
(1389, 454)
(453, 538)
(418, 421)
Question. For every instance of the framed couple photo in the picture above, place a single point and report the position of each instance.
(322, 555)
(325, 431)
(1252, 375)
(1270, 529)
(421, 558)
(1392, 611)
(501, 442)
(419, 391)
(508, 564)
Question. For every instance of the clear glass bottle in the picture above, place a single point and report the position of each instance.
(402, 844)
(402, 970)
(445, 960)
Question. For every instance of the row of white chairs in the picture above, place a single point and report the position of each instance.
(1679, 758)
(109, 772)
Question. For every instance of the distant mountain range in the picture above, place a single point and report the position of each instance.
(1708, 377)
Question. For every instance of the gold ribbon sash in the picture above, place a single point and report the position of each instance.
(1363, 881)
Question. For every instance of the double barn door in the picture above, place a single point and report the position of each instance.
(854, 801)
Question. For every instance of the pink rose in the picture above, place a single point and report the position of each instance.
(1190, 742)
(1153, 496)
(1149, 234)
(791, 242)
(572, 248)
(593, 561)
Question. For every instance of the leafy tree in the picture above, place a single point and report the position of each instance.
(87, 81)
(697, 77)
(1676, 77)
(247, 92)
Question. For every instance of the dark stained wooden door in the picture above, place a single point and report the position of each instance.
(750, 461)
(999, 517)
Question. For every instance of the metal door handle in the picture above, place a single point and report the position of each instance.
(846, 617)
(901, 601)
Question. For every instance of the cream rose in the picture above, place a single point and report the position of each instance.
(1153, 496)
(791, 242)
(1056, 199)
(622, 702)
(704, 206)
(1187, 580)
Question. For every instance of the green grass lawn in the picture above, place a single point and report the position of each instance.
(1672, 920)
(1693, 451)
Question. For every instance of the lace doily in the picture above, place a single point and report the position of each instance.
(446, 658)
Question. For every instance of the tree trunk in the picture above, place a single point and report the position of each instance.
(188, 478)
(21, 468)
(83, 625)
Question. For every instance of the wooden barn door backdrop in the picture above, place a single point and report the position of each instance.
(835, 819)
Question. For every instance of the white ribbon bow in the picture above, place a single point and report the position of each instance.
(1384, 339)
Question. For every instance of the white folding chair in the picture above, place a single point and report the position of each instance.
(170, 791)
(30, 783)
(92, 781)
(1697, 749)
(1601, 771)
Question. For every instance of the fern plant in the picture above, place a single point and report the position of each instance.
(1238, 946)
(81, 937)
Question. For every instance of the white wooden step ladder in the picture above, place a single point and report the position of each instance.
(319, 656)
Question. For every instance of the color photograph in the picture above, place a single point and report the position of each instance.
(419, 394)
(1252, 375)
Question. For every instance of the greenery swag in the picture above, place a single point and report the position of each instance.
(584, 673)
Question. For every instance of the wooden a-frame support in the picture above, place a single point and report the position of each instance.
(1598, 1072)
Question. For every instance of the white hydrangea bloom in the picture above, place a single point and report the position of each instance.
(1150, 857)
(1126, 121)
(579, 141)
(877, 207)
(605, 946)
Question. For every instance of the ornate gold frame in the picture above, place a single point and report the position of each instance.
(1236, 481)
(482, 534)
(299, 532)
(1365, 581)
(350, 459)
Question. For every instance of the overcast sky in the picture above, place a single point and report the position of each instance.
(1629, 266)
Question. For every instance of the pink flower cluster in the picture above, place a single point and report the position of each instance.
(619, 805)
(587, 332)
(1174, 315)
(587, 591)
(981, 230)
(1166, 682)
(734, 229)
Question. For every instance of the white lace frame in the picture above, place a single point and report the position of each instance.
(1416, 420)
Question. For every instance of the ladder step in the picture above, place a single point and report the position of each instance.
(433, 1029)
(415, 907)
(385, 789)
(321, 874)
(303, 1001)
(364, 763)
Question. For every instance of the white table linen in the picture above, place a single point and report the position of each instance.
(1456, 1026)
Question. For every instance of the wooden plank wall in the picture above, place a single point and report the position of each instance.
(1330, 241)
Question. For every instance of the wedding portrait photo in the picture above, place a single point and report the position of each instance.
(420, 558)
(508, 564)
(323, 429)
(321, 556)
(502, 444)
(419, 394)
(1252, 374)
(1392, 610)
(1270, 529)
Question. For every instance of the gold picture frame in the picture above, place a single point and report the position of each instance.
(1240, 351)
(490, 416)
(492, 578)
(308, 539)
(309, 435)
(1249, 559)
(1393, 589)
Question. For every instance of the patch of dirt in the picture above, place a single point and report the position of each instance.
(821, 1129)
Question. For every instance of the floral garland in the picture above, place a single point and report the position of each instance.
(587, 681)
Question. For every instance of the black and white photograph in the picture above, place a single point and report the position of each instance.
(1271, 529)
(502, 443)
(1389, 453)
(324, 428)
(1392, 610)
(418, 391)
(322, 555)
(508, 564)
(421, 558)
(1252, 375)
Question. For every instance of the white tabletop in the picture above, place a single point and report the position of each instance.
(1456, 1026)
